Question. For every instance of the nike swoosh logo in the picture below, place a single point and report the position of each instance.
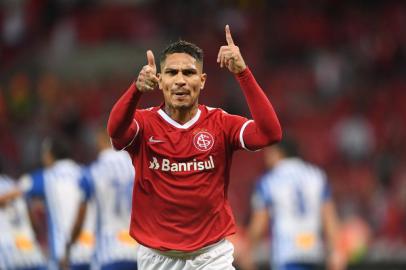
(152, 140)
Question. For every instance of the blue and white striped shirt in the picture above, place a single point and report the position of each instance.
(59, 186)
(18, 246)
(294, 192)
(110, 181)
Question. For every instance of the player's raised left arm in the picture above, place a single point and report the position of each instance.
(265, 129)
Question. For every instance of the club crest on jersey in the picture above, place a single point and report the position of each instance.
(203, 141)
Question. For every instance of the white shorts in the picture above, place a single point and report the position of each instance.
(218, 256)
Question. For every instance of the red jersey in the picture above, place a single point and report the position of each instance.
(180, 193)
(182, 171)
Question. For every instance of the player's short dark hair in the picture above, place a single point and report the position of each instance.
(58, 147)
(288, 146)
(182, 46)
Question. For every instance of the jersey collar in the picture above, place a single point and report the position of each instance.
(186, 125)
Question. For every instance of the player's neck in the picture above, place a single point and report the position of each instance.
(181, 116)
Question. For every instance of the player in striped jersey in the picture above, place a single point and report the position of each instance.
(295, 196)
(19, 249)
(110, 180)
(58, 185)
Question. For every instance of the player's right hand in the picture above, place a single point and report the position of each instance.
(147, 79)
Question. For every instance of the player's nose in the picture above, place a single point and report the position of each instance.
(179, 79)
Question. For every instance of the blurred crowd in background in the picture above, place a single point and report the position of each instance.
(334, 70)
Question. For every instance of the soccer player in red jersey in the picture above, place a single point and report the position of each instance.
(182, 153)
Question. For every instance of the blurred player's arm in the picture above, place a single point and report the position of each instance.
(330, 224)
(122, 127)
(36, 212)
(265, 129)
(335, 260)
(259, 221)
(28, 184)
(77, 228)
(257, 229)
(258, 226)
(9, 196)
(86, 189)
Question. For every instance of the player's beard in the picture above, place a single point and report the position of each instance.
(182, 108)
(185, 104)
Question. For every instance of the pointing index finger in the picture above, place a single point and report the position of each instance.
(229, 38)
(151, 59)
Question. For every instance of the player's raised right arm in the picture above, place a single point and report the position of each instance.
(122, 127)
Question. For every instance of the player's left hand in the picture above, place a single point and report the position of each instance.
(229, 56)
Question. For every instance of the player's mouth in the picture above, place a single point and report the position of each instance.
(181, 93)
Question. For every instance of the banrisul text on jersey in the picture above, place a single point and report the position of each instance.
(167, 165)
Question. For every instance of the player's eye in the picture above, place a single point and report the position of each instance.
(189, 72)
(171, 72)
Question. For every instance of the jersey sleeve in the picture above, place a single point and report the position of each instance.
(139, 122)
(265, 129)
(234, 126)
(133, 133)
(33, 184)
(122, 125)
(86, 184)
(261, 198)
(326, 190)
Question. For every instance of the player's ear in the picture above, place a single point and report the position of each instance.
(203, 78)
(159, 80)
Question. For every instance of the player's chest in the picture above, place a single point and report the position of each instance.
(179, 143)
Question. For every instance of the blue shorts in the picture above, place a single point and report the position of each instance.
(80, 267)
(299, 266)
(33, 268)
(123, 265)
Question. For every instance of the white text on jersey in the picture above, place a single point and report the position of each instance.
(167, 166)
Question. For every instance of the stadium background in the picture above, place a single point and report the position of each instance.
(334, 70)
